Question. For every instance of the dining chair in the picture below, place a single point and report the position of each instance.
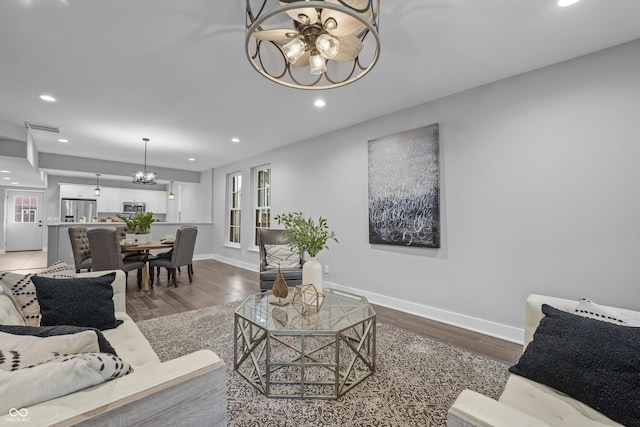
(107, 253)
(122, 231)
(168, 254)
(80, 247)
(181, 254)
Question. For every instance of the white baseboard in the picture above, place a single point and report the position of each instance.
(235, 262)
(486, 327)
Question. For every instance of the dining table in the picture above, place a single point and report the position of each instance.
(145, 248)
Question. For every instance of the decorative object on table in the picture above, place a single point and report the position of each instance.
(404, 188)
(138, 225)
(307, 299)
(83, 218)
(337, 39)
(280, 289)
(144, 176)
(94, 218)
(307, 236)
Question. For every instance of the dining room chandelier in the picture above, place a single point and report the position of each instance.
(144, 176)
(312, 44)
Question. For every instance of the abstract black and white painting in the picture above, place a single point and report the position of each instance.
(404, 188)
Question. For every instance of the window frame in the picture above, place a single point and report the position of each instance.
(257, 207)
(232, 210)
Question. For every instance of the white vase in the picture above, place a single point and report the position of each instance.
(312, 273)
(142, 238)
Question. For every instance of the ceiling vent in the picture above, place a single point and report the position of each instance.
(46, 128)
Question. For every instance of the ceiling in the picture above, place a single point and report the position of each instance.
(175, 71)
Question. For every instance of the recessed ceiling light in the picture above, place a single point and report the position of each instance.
(191, 159)
(319, 103)
(14, 183)
(235, 140)
(63, 140)
(7, 178)
(5, 171)
(565, 3)
(47, 98)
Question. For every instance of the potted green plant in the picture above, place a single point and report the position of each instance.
(94, 218)
(306, 235)
(132, 224)
(83, 218)
(144, 219)
(139, 223)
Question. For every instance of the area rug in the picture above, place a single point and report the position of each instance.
(416, 380)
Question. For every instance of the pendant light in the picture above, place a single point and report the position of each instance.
(96, 191)
(171, 195)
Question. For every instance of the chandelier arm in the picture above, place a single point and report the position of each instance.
(287, 65)
(304, 85)
(326, 74)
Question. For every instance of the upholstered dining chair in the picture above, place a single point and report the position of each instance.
(107, 253)
(274, 253)
(80, 247)
(181, 254)
(121, 231)
(167, 254)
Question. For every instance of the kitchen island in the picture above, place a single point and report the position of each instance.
(59, 244)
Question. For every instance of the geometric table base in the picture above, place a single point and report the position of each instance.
(301, 361)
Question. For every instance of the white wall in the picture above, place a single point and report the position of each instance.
(539, 193)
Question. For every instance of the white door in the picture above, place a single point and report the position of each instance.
(24, 220)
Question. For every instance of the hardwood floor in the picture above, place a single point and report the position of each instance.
(215, 283)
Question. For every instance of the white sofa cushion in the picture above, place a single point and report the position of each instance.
(130, 344)
(546, 404)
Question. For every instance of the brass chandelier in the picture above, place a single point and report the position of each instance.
(312, 44)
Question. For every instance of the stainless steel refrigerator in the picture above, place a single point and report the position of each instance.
(72, 209)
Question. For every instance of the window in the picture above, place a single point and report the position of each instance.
(26, 209)
(235, 196)
(262, 178)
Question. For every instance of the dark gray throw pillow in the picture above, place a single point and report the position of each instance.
(83, 301)
(595, 362)
(50, 331)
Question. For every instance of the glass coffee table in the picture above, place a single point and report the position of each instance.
(316, 356)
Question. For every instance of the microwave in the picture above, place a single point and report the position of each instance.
(134, 207)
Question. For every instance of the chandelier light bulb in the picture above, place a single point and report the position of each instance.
(294, 50)
(327, 46)
(317, 63)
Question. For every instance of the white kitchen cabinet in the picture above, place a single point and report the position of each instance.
(133, 195)
(109, 200)
(73, 191)
(157, 202)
